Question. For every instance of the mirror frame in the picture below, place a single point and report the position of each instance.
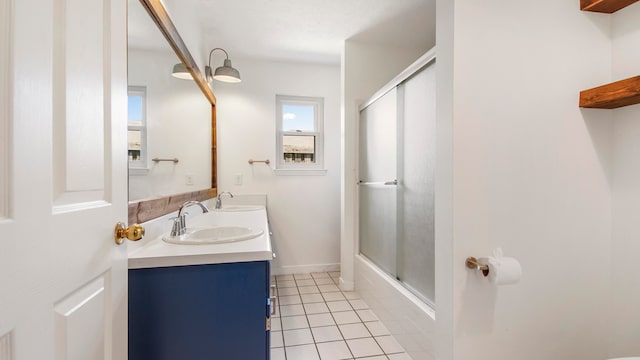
(147, 209)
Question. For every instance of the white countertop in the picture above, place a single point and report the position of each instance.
(158, 253)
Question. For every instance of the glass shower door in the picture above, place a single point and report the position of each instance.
(377, 195)
(396, 192)
(416, 198)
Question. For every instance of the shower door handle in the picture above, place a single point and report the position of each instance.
(386, 183)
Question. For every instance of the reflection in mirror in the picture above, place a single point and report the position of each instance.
(169, 118)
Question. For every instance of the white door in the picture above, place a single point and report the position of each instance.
(62, 179)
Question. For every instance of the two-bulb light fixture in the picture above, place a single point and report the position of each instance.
(225, 73)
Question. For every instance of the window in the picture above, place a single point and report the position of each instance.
(299, 132)
(137, 126)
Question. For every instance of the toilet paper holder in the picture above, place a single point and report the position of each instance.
(472, 263)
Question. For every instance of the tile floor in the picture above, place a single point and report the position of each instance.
(317, 321)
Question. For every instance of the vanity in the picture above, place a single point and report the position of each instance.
(203, 301)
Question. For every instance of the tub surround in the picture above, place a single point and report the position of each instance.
(158, 253)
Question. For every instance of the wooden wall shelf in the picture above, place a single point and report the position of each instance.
(611, 96)
(605, 6)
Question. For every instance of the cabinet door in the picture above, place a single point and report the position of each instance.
(199, 312)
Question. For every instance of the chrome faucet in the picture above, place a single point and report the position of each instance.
(219, 199)
(179, 223)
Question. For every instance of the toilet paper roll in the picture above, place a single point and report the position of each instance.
(503, 270)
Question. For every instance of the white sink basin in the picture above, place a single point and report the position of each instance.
(240, 208)
(213, 235)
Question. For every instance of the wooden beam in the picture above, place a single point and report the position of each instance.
(145, 210)
(604, 6)
(611, 96)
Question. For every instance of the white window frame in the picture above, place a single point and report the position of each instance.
(316, 168)
(141, 126)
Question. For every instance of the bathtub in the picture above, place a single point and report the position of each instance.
(410, 320)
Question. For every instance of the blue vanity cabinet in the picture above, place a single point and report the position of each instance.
(199, 312)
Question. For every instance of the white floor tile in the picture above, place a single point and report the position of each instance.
(354, 331)
(376, 328)
(346, 317)
(305, 282)
(334, 274)
(287, 291)
(316, 308)
(320, 275)
(402, 356)
(324, 281)
(316, 320)
(302, 276)
(311, 298)
(308, 289)
(291, 310)
(364, 347)
(351, 295)
(336, 350)
(389, 344)
(284, 277)
(294, 322)
(276, 325)
(276, 339)
(277, 354)
(336, 306)
(304, 352)
(328, 288)
(286, 284)
(367, 315)
(359, 304)
(379, 357)
(297, 337)
(333, 296)
(289, 299)
(326, 333)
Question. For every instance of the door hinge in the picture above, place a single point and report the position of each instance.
(268, 324)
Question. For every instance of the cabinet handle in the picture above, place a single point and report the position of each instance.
(273, 305)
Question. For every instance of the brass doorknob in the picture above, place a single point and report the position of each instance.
(134, 232)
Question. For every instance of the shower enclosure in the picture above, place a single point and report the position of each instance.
(396, 181)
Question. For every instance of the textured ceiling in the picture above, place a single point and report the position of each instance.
(301, 30)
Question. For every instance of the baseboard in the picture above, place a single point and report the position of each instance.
(303, 269)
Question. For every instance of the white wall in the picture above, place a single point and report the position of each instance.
(531, 174)
(625, 278)
(178, 126)
(304, 211)
(366, 67)
(189, 26)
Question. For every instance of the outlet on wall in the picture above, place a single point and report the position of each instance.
(238, 179)
(188, 179)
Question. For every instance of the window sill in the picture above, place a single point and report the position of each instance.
(300, 172)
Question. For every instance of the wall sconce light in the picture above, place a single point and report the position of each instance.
(180, 71)
(225, 72)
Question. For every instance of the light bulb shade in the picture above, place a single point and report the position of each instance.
(180, 71)
(227, 73)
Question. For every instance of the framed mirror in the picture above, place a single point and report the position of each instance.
(172, 126)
